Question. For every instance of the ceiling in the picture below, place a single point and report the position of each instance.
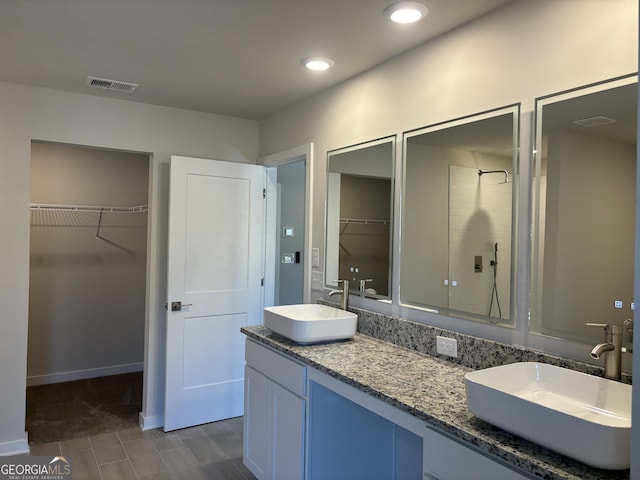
(619, 104)
(231, 57)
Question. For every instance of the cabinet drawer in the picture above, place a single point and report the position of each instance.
(279, 368)
(447, 459)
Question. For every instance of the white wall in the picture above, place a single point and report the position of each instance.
(29, 113)
(86, 294)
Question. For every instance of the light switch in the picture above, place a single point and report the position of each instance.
(288, 258)
(287, 232)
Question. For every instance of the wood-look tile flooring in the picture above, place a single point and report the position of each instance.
(94, 423)
(211, 451)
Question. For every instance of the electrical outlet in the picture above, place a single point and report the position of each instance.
(317, 279)
(447, 346)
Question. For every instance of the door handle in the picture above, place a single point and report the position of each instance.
(177, 306)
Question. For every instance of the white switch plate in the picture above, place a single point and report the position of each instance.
(315, 257)
(447, 346)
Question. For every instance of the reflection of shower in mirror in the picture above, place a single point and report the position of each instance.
(504, 172)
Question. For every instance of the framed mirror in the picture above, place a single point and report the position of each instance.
(584, 209)
(359, 217)
(458, 215)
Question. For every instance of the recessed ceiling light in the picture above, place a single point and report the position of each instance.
(318, 63)
(406, 12)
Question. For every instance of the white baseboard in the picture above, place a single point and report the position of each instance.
(83, 374)
(15, 447)
(150, 422)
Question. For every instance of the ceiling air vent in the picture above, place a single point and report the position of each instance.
(594, 121)
(107, 84)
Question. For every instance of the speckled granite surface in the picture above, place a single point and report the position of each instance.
(473, 352)
(429, 388)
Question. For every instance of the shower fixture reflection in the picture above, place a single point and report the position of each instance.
(494, 289)
(504, 172)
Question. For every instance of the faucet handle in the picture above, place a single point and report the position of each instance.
(345, 283)
(609, 328)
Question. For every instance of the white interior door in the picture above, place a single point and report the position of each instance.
(215, 269)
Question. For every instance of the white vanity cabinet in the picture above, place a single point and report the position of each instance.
(275, 410)
(447, 459)
(301, 423)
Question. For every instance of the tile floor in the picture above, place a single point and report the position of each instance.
(212, 451)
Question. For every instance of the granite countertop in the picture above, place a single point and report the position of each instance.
(430, 389)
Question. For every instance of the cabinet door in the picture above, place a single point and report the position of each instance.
(288, 434)
(274, 429)
(446, 459)
(257, 423)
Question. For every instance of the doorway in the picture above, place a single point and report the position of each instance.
(289, 282)
(87, 281)
(289, 205)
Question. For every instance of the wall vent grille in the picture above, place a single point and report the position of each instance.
(107, 84)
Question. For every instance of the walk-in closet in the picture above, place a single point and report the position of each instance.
(88, 249)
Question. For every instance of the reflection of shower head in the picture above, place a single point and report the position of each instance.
(506, 174)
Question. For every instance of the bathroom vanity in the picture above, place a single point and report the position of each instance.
(364, 408)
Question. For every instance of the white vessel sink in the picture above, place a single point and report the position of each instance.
(310, 323)
(582, 416)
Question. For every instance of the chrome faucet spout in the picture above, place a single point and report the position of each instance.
(611, 348)
(600, 349)
(344, 291)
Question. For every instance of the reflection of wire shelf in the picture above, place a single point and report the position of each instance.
(358, 221)
(364, 221)
(361, 221)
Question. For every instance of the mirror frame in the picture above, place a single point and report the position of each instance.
(515, 111)
(329, 283)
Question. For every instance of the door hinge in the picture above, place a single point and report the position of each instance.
(264, 193)
(262, 282)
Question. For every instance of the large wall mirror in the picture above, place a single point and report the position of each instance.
(359, 217)
(458, 213)
(584, 209)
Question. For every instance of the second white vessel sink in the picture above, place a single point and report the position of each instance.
(582, 416)
(310, 323)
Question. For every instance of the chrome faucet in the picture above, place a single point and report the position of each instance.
(363, 284)
(344, 301)
(611, 348)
